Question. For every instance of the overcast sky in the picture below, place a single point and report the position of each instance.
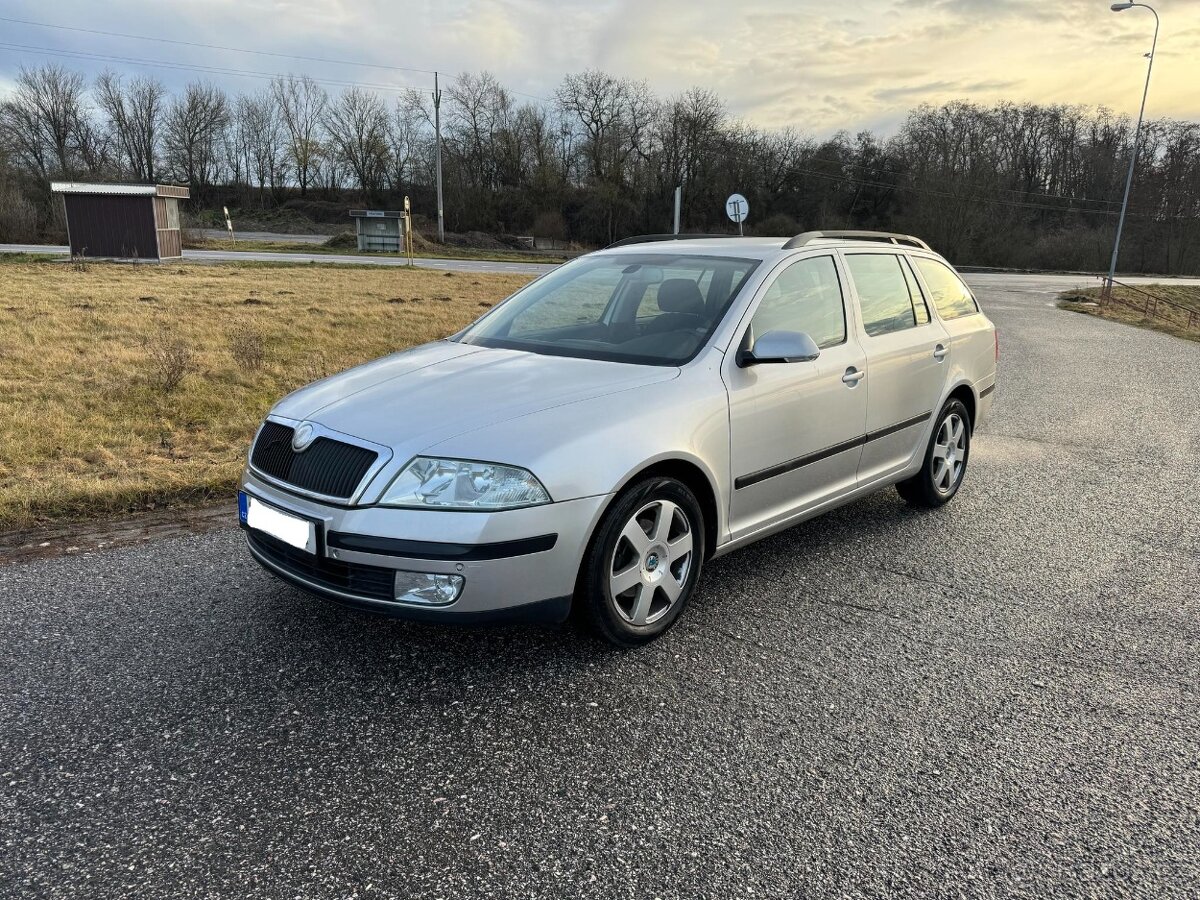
(817, 66)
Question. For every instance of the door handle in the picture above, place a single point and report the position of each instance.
(939, 352)
(853, 376)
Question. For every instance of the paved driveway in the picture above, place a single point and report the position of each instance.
(996, 699)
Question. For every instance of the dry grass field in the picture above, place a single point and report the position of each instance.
(127, 386)
(1133, 307)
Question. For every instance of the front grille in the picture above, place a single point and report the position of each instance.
(326, 466)
(349, 578)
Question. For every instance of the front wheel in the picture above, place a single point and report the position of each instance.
(945, 459)
(643, 563)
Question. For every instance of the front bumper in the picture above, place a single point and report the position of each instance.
(517, 564)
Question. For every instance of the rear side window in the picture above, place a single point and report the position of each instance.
(950, 295)
(884, 296)
(807, 296)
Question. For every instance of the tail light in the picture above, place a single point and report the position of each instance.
(996, 335)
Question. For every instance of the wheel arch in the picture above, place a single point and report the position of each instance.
(964, 393)
(698, 480)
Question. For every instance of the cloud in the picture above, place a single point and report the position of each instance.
(815, 66)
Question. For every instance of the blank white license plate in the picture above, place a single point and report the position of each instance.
(293, 530)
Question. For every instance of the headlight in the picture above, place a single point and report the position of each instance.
(428, 483)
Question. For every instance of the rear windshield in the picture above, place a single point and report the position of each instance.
(653, 308)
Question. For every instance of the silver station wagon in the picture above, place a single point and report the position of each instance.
(599, 435)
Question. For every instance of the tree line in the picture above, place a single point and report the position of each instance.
(1008, 184)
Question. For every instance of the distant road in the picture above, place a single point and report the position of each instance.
(452, 265)
(219, 234)
(1006, 280)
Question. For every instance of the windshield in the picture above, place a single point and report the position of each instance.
(653, 308)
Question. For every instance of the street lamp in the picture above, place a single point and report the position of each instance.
(1112, 268)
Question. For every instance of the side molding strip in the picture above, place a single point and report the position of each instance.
(743, 481)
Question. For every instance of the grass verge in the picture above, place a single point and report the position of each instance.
(1134, 307)
(128, 386)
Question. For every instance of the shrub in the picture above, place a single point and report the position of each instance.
(778, 225)
(169, 361)
(247, 347)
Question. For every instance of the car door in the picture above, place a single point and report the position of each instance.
(907, 354)
(796, 428)
(972, 335)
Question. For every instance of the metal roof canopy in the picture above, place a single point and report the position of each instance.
(135, 190)
(376, 214)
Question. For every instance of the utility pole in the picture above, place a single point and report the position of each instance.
(678, 200)
(1133, 154)
(437, 127)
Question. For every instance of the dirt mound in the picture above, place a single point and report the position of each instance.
(343, 240)
(322, 211)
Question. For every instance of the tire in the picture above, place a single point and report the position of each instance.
(936, 483)
(630, 593)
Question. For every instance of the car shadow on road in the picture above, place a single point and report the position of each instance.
(423, 660)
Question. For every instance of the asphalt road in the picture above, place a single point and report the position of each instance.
(211, 256)
(996, 699)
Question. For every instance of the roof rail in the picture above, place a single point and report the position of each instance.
(655, 238)
(886, 237)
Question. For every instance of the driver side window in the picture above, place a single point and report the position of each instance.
(806, 297)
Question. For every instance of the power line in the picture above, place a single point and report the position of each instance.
(162, 40)
(191, 67)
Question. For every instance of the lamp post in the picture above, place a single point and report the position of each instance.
(1112, 268)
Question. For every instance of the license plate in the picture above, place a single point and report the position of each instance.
(293, 530)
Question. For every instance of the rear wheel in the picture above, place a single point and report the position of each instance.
(945, 459)
(643, 562)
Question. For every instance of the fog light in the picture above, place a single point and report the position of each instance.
(428, 588)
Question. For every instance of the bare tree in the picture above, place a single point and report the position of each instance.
(357, 125)
(264, 141)
(407, 136)
(192, 138)
(301, 103)
(134, 112)
(46, 125)
(1004, 184)
(614, 114)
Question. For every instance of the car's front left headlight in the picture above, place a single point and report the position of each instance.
(430, 483)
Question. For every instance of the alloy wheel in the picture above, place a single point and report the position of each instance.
(949, 453)
(650, 562)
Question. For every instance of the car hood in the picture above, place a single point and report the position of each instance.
(412, 400)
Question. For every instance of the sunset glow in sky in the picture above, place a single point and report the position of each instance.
(817, 66)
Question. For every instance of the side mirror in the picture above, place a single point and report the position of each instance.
(780, 347)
